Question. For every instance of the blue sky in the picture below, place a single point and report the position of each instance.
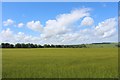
(25, 12)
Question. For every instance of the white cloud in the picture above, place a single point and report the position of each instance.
(87, 21)
(109, 33)
(8, 22)
(63, 22)
(20, 25)
(67, 19)
(72, 37)
(35, 25)
(105, 31)
(61, 25)
(23, 38)
(7, 32)
(106, 28)
(6, 35)
(63, 30)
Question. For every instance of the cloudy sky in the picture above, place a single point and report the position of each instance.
(59, 23)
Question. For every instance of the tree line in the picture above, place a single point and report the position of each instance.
(30, 45)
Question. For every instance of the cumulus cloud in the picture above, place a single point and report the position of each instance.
(106, 28)
(63, 30)
(20, 25)
(23, 38)
(63, 22)
(87, 21)
(35, 25)
(8, 36)
(7, 33)
(104, 31)
(8, 22)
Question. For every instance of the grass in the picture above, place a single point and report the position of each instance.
(60, 63)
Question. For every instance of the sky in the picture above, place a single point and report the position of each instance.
(60, 0)
(59, 22)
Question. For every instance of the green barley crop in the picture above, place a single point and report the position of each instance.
(60, 63)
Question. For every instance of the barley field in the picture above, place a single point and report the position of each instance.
(60, 63)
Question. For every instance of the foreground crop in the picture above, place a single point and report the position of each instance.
(60, 63)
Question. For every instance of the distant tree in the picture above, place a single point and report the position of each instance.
(58, 46)
(0, 45)
(11, 46)
(46, 46)
(30, 45)
(7, 45)
(40, 46)
(35, 46)
(18, 45)
(83, 45)
(53, 46)
(23, 45)
(3, 45)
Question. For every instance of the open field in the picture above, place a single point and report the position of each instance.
(60, 63)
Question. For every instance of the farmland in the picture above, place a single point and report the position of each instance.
(60, 63)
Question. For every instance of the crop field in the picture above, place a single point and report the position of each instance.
(60, 63)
